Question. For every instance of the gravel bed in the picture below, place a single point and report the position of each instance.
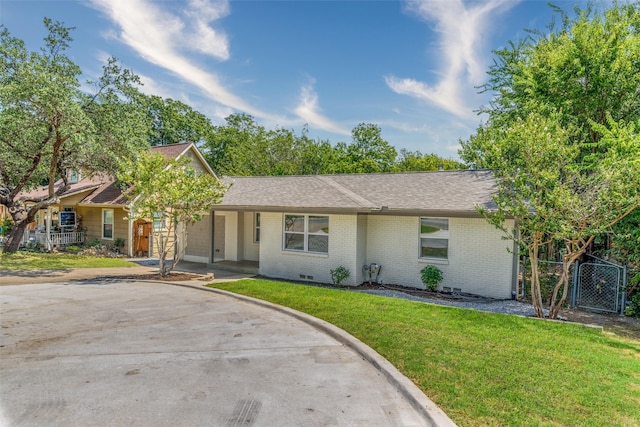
(494, 306)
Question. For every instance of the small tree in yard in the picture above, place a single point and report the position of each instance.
(172, 191)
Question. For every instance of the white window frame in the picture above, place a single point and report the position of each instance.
(74, 176)
(256, 227)
(159, 221)
(305, 233)
(104, 211)
(440, 234)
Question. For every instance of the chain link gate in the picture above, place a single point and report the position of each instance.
(598, 286)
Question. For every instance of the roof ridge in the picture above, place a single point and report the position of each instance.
(353, 196)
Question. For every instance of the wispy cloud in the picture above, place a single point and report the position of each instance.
(309, 111)
(162, 38)
(462, 30)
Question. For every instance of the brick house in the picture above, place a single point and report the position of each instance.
(301, 227)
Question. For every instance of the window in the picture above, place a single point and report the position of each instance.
(434, 238)
(74, 176)
(256, 227)
(107, 223)
(159, 221)
(306, 233)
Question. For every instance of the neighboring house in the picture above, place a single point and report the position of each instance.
(96, 208)
(301, 227)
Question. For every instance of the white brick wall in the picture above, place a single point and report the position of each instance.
(276, 262)
(478, 261)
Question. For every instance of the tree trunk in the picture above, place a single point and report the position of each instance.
(15, 237)
(21, 220)
(575, 248)
(536, 295)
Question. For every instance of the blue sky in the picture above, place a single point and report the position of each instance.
(411, 67)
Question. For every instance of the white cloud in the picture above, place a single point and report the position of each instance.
(161, 37)
(206, 39)
(462, 30)
(309, 111)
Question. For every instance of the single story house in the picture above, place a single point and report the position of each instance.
(94, 207)
(301, 227)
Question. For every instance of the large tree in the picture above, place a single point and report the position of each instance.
(172, 192)
(563, 134)
(172, 121)
(49, 125)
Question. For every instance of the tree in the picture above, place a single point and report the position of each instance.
(48, 125)
(409, 161)
(562, 135)
(368, 152)
(171, 191)
(173, 121)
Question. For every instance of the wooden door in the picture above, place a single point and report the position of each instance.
(141, 232)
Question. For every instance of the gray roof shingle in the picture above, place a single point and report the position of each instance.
(446, 192)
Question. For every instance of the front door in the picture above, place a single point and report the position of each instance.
(141, 231)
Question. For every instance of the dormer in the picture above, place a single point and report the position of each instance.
(73, 176)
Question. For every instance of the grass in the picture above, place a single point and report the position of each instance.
(483, 369)
(36, 260)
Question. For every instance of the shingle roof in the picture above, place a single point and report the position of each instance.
(443, 191)
(109, 193)
(85, 184)
(171, 151)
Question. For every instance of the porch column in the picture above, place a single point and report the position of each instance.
(48, 244)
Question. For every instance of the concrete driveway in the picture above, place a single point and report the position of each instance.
(114, 353)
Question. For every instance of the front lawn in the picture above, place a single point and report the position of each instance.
(483, 369)
(57, 261)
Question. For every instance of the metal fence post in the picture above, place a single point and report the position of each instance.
(624, 290)
(574, 291)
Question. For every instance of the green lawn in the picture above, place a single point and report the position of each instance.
(35, 260)
(483, 369)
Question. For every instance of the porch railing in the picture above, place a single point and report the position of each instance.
(56, 239)
(65, 239)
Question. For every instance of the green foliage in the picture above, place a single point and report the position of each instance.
(431, 277)
(633, 309)
(173, 189)
(416, 161)
(563, 135)
(173, 121)
(48, 124)
(339, 275)
(5, 226)
(118, 242)
(244, 148)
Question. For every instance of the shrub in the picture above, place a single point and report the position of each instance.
(431, 277)
(339, 275)
(633, 307)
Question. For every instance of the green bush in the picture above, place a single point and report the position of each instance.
(339, 275)
(431, 277)
(633, 309)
